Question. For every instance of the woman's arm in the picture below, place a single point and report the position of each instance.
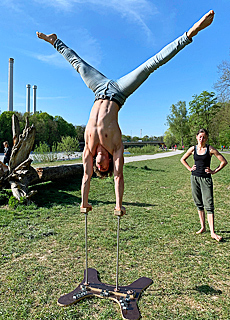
(223, 161)
(185, 157)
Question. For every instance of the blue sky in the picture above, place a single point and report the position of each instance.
(115, 37)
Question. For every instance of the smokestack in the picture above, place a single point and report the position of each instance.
(10, 85)
(28, 86)
(34, 98)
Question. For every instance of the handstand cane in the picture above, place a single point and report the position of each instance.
(119, 214)
(126, 296)
(85, 211)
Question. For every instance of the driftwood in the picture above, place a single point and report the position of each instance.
(20, 174)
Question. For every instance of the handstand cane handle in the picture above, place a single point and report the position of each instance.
(85, 211)
(119, 214)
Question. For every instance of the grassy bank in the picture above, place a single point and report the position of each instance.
(42, 247)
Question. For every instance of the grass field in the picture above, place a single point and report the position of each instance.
(43, 247)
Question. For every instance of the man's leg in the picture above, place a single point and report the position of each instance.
(92, 77)
(129, 83)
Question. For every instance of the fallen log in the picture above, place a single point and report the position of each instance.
(59, 172)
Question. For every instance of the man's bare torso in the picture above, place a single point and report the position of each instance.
(102, 128)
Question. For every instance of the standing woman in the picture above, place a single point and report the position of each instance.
(201, 179)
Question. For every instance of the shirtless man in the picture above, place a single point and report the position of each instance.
(103, 144)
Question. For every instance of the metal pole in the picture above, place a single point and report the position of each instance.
(85, 211)
(86, 251)
(34, 99)
(118, 231)
(10, 85)
(28, 86)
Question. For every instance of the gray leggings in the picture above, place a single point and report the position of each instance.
(202, 192)
(120, 89)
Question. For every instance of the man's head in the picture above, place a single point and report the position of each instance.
(6, 144)
(103, 163)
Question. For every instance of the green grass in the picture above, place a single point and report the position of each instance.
(43, 249)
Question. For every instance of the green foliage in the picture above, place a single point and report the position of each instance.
(49, 129)
(203, 109)
(169, 139)
(143, 150)
(178, 122)
(135, 138)
(42, 153)
(204, 112)
(6, 128)
(14, 203)
(4, 197)
(80, 131)
(68, 145)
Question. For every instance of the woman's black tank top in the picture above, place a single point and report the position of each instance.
(202, 162)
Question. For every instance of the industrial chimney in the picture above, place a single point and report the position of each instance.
(28, 86)
(34, 98)
(10, 85)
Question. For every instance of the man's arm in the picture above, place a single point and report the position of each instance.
(88, 171)
(118, 161)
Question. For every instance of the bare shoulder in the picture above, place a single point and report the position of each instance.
(190, 150)
(213, 150)
(188, 153)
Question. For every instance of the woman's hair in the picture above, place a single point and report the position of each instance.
(104, 174)
(6, 142)
(203, 131)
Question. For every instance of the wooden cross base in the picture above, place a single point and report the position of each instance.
(126, 297)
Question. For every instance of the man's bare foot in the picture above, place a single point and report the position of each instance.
(203, 23)
(51, 38)
(201, 230)
(216, 237)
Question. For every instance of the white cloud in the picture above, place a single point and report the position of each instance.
(136, 11)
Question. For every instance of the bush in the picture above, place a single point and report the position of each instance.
(13, 202)
(42, 153)
(4, 198)
(68, 145)
(143, 150)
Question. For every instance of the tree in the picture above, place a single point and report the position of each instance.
(65, 128)
(135, 139)
(5, 128)
(68, 145)
(221, 124)
(223, 84)
(202, 110)
(178, 122)
(146, 138)
(80, 131)
(126, 138)
(169, 139)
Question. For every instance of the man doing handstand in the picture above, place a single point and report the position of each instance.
(103, 145)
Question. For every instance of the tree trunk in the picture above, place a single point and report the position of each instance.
(20, 174)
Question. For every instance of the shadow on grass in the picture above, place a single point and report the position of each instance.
(143, 168)
(51, 193)
(203, 289)
(206, 289)
(134, 204)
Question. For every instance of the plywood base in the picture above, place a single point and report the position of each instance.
(126, 296)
